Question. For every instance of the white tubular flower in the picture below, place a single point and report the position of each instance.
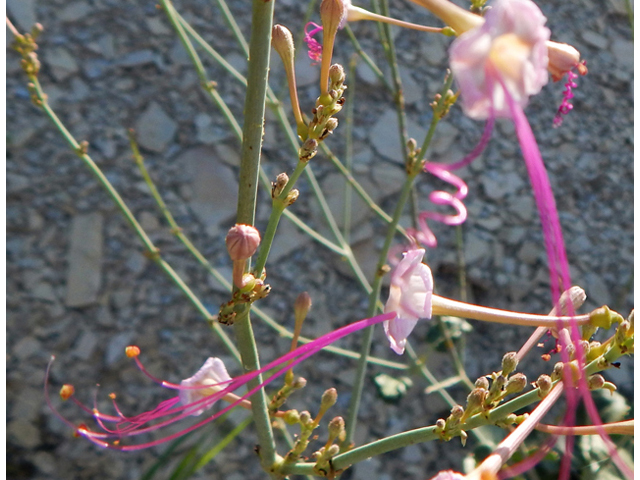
(409, 297)
(213, 372)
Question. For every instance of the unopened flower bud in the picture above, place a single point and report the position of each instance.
(440, 424)
(66, 391)
(305, 418)
(563, 58)
(242, 241)
(299, 383)
(475, 400)
(291, 417)
(456, 412)
(498, 384)
(544, 384)
(329, 399)
(516, 383)
(282, 42)
(483, 383)
(595, 382)
(621, 332)
(333, 14)
(336, 427)
(509, 363)
(331, 124)
(558, 368)
(132, 351)
(336, 76)
(412, 145)
(278, 186)
(604, 317)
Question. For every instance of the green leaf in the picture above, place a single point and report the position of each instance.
(392, 389)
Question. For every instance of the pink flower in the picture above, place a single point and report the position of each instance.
(448, 475)
(508, 51)
(213, 373)
(409, 298)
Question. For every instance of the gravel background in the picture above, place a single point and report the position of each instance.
(79, 287)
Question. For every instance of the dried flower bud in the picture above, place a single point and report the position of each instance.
(516, 383)
(292, 196)
(132, 351)
(242, 241)
(308, 149)
(66, 391)
(509, 363)
(595, 382)
(282, 42)
(278, 186)
(483, 383)
(544, 384)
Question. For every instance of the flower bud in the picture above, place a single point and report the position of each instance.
(563, 58)
(329, 399)
(333, 14)
(331, 124)
(516, 383)
(544, 384)
(456, 412)
(66, 391)
(483, 383)
(305, 418)
(475, 400)
(292, 196)
(242, 241)
(595, 382)
(509, 363)
(278, 186)
(282, 42)
(299, 383)
(336, 427)
(440, 424)
(336, 76)
(308, 150)
(132, 351)
(558, 368)
(291, 417)
(332, 451)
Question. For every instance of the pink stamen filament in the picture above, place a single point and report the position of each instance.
(315, 49)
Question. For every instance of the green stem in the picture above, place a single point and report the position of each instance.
(356, 393)
(152, 250)
(254, 108)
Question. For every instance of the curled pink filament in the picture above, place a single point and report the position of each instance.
(424, 235)
(315, 49)
(567, 95)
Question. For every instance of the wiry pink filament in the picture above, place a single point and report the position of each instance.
(169, 411)
(315, 49)
(424, 235)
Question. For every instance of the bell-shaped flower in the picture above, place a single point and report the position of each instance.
(508, 51)
(409, 298)
(213, 373)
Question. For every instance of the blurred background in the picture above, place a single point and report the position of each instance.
(79, 287)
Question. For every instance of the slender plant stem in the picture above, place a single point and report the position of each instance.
(405, 192)
(254, 108)
(152, 250)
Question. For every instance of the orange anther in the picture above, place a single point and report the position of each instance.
(132, 351)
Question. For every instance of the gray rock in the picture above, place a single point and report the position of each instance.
(27, 405)
(442, 140)
(157, 25)
(45, 462)
(23, 12)
(367, 470)
(413, 92)
(23, 433)
(74, 11)
(44, 291)
(214, 187)
(85, 345)
(595, 39)
(385, 137)
(228, 154)
(623, 51)
(524, 207)
(497, 187)
(61, 62)
(26, 347)
(307, 74)
(85, 260)
(529, 252)
(597, 290)
(388, 178)
(138, 58)
(116, 346)
(475, 248)
(155, 129)
(288, 238)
